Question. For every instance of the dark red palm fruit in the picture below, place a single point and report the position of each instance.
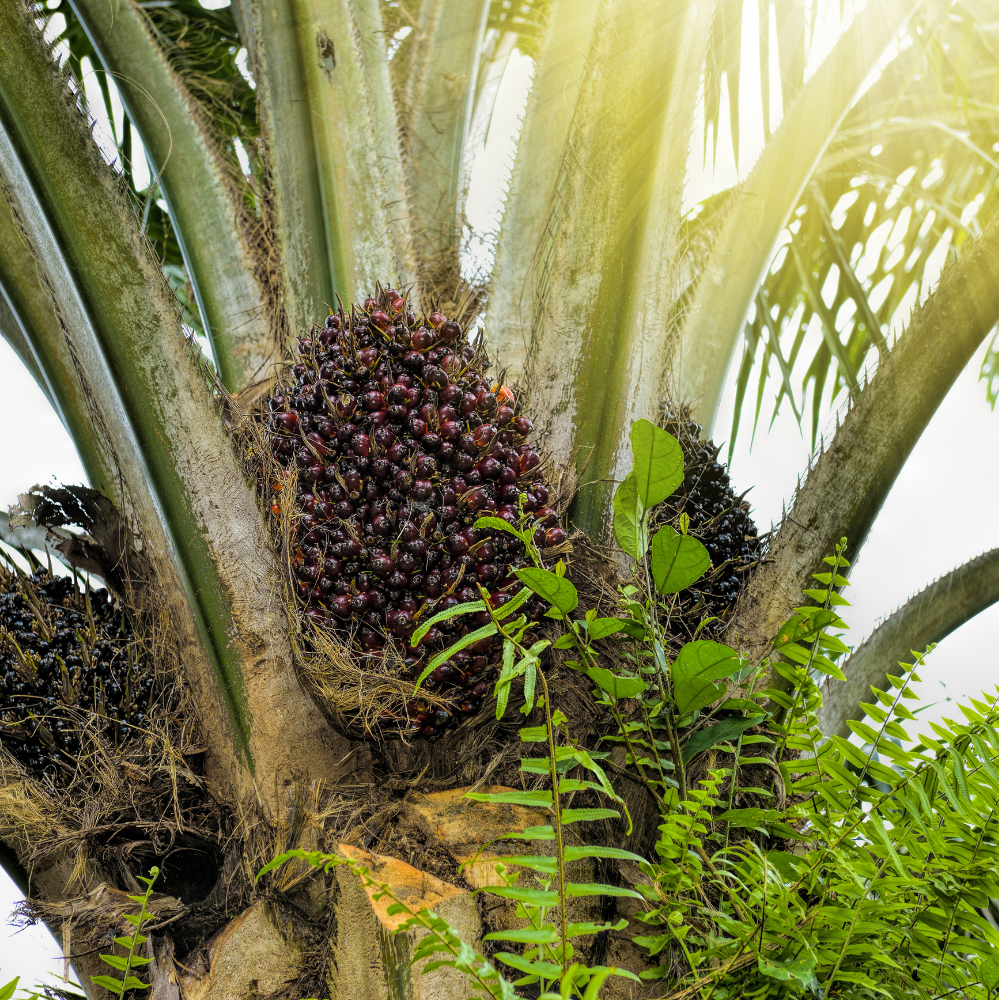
(450, 331)
(421, 339)
(383, 508)
(529, 461)
(554, 536)
(346, 405)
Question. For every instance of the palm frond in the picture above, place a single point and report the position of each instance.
(911, 175)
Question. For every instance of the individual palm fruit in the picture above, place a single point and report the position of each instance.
(717, 517)
(67, 658)
(399, 443)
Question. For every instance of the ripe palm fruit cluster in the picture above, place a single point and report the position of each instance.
(717, 517)
(399, 443)
(66, 659)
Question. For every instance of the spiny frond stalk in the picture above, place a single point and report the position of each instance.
(847, 486)
(926, 618)
(162, 426)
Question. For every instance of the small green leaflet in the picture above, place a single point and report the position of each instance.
(804, 626)
(657, 461)
(614, 686)
(677, 561)
(458, 609)
(558, 591)
(466, 640)
(575, 853)
(541, 799)
(587, 815)
(547, 970)
(576, 890)
(525, 935)
(628, 516)
(698, 664)
(722, 731)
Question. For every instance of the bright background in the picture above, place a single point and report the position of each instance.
(942, 510)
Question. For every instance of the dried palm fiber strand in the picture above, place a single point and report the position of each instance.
(390, 442)
(719, 519)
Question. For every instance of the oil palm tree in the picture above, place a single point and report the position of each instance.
(358, 121)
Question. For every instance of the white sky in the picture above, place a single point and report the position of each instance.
(942, 511)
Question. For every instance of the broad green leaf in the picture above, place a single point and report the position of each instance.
(988, 972)
(801, 969)
(616, 687)
(698, 664)
(627, 516)
(558, 591)
(720, 732)
(677, 561)
(7, 990)
(657, 461)
(600, 628)
(788, 865)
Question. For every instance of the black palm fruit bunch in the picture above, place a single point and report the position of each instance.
(397, 443)
(717, 517)
(68, 661)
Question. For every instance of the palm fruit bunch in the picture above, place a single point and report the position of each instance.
(67, 658)
(397, 443)
(717, 517)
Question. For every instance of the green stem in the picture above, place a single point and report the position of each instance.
(675, 751)
(732, 784)
(587, 655)
(560, 859)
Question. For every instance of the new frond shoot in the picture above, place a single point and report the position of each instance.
(125, 964)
